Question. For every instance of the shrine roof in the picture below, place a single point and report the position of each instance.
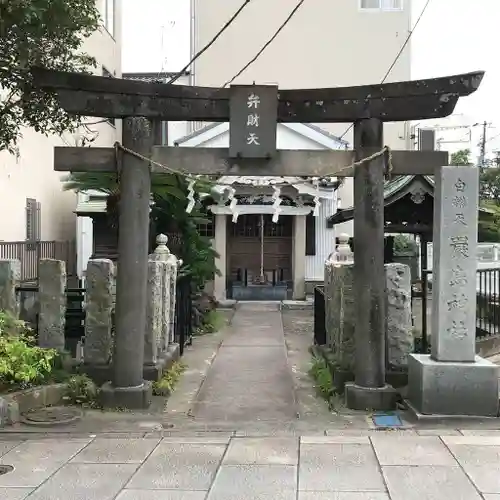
(394, 190)
(310, 126)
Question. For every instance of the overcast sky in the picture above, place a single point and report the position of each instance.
(454, 36)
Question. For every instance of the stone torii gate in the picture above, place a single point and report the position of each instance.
(140, 104)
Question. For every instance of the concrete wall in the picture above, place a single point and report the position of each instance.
(32, 175)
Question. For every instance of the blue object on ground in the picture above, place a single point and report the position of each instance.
(387, 420)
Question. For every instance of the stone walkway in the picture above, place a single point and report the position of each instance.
(341, 466)
(250, 379)
(245, 424)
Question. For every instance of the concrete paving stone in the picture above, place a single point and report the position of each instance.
(486, 479)
(35, 461)
(179, 466)
(343, 495)
(116, 451)
(334, 440)
(482, 465)
(340, 478)
(85, 482)
(483, 432)
(14, 493)
(339, 467)
(471, 440)
(411, 450)
(366, 432)
(255, 482)
(262, 451)
(223, 439)
(337, 454)
(6, 446)
(438, 432)
(429, 483)
(491, 497)
(476, 455)
(161, 495)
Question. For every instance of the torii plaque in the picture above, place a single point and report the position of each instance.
(367, 106)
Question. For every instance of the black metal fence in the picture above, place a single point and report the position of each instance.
(487, 308)
(319, 316)
(75, 312)
(183, 313)
(29, 253)
(487, 305)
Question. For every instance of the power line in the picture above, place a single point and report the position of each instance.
(493, 138)
(210, 43)
(266, 45)
(391, 67)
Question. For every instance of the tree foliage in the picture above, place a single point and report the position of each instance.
(461, 158)
(168, 215)
(47, 33)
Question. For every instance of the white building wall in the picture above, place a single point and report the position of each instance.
(325, 243)
(31, 175)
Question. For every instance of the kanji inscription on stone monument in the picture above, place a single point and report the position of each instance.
(253, 120)
(454, 297)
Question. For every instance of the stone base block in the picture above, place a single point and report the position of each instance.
(369, 398)
(341, 378)
(131, 398)
(226, 304)
(155, 371)
(100, 374)
(453, 388)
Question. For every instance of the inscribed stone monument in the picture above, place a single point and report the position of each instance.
(453, 380)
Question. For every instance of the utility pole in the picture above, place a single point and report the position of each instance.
(482, 146)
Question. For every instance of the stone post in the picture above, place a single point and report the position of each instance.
(340, 312)
(453, 380)
(10, 278)
(52, 303)
(299, 257)
(159, 351)
(173, 270)
(128, 388)
(99, 305)
(398, 315)
(162, 253)
(154, 312)
(220, 246)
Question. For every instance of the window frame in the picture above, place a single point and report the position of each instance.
(382, 6)
(33, 220)
(109, 16)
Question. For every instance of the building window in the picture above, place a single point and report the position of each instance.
(33, 220)
(207, 230)
(108, 16)
(384, 5)
(107, 74)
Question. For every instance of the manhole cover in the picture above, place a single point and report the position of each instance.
(4, 469)
(56, 415)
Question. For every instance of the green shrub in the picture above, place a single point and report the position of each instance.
(322, 376)
(212, 322)
(165, 386)
(81, 390)
(9, 325)
(23, 363)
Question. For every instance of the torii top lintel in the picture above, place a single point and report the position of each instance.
(89, 95)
